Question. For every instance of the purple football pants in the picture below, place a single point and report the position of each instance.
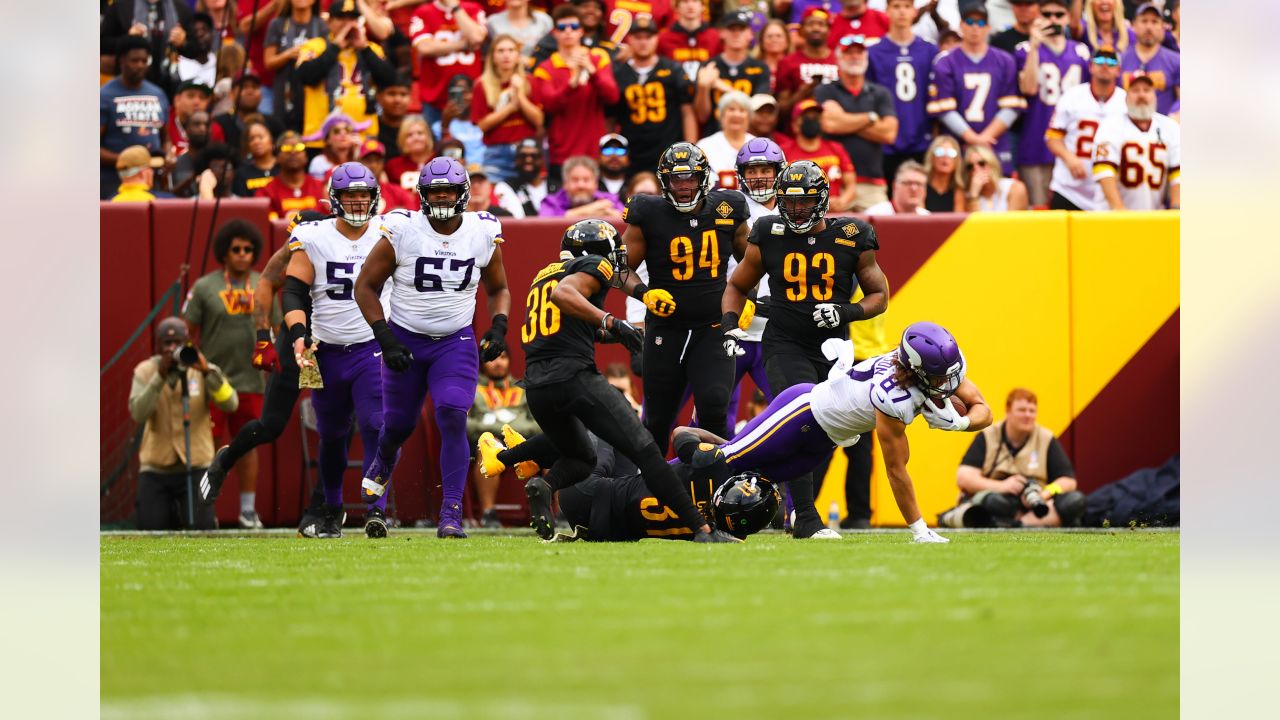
(783, 442)
(352, 383)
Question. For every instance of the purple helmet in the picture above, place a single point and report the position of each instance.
(444, 172)
(932, 355)
(760, 151)
(353, 176)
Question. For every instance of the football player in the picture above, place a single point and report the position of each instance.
(327, 257)
(685, 239)
(438, 256)
(1137, 156)
(885, 393)
(564, 317)
(814, 266)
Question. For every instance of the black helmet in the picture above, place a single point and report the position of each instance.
(679, 161)
(745, 504)
(596, 237)
(797, 187)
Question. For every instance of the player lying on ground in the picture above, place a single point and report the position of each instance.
(885, 393)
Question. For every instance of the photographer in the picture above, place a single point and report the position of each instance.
(156, 398)
(1016, 474)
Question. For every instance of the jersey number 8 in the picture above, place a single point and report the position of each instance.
(543, 316)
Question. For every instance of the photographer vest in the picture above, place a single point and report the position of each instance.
(1031, 461)
(163, 445)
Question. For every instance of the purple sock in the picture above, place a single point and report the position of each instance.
(454, 452)
(333, 462)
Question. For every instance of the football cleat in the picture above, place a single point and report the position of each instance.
(330, 525)
(715, 536)
(541, 519)
(526, 469)
(489, 519)
(826, 534)
(249, 520)
(487, 449)
(451, 522)
(214, 475)
(375, 522)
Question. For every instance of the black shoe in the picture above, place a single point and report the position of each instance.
(489, 519)
(211, 482)
(803, 529)
(715, 536)
(541, 518)
(331, 524)
(375, 522)
(852, 523)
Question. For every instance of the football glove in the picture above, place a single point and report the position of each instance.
(748, 314)
(264, 353)
(945, 417)
(394, 354)
(494, 342)
(731, 340)
(659, 302)
(828, 315)
(631, 337)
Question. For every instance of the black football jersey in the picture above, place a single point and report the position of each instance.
(648, 109)
(556, 346)
(751, 77)
(805, 270)
(636, 514)
(687, 254)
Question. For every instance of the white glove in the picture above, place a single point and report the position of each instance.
(840, 352)
(921, 533)
(945, 417)
(827, 315)
(731, 346)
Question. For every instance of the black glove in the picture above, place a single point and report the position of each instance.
(762, 307)
(394, 355)
(631, 337)
(494, 342)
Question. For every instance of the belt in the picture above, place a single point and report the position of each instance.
(349, 347)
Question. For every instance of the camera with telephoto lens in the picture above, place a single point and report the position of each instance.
(1034, 499)
(185, 356)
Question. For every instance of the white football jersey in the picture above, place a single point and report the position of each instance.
(335, 317)
(755, 211)
(1144, 162)
(1075, 120)
(436, 275)
(845, 404)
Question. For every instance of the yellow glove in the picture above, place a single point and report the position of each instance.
(748, 314)
(660, 302)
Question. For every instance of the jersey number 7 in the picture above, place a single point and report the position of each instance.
(430, 282)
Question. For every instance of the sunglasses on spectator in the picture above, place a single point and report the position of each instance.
(1053, 15)
(978, 22)
(1110, 62)
(979, 163)
(241, 249)
(946, 152)
(565, 27)
(613, 151)
(296, 147)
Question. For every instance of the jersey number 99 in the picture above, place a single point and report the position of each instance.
(542, 315)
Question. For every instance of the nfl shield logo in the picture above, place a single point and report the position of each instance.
(693, 222)
(657, 340)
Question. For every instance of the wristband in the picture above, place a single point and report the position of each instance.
(852, 312)
(604, 321)
(221, 393)
(499, 322)
(1052, 489)
(639, 290)
(297, 331)
(729, 321)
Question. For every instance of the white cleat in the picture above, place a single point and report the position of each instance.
(826, 534)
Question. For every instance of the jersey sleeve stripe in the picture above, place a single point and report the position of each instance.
(1104, 169)
(940, 106)
(1012, 101)
(1054, 134)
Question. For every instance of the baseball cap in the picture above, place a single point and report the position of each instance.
(739, 18)
(371, 147)
(344, 9)
(643, 23)
(803, 105)
(1147, 7)
(973, 7)
(248, 75)
(1139, 76)
(132, 159)
(194, 85)
(614, 138)
(760, 100)
(477, 170)
(1106, 52)
(819, 11)
(171, 328)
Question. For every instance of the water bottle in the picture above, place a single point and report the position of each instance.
(833, 516)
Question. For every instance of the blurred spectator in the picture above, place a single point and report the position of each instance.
(909, 182)
(258, 158)
(855, 18)
(417, 146)
(689, 41)
(499, 401)
(452, 148)
(502, 109)
(591, 15)
(1175, 113)
(755, 406)
(286, 35)
(809, 144)
(1006, 458)
(948, 40)
(483, 192)
(861, 116)
(940, 163)
(182, 177)
(373, 155)
(219, 315)
(531, 184)
(393, 107)
(215, 172)
(191, 97)
(131, 111)
(1100, 26)
(136, 169)
(455, 120)
(772, 44)
(981, 186)
(246, 96)
(448, 36)
(202, 65)
(733, 69)
(799, 10)
(292, 189)
(975, 88)
(764, 115)
(1173, 25)
(382, 29)
(573, 86)
(623, 16)
(642, 183)
(1051, 64)
(1025, 13)
(655, 105)
(339, 74)
(810, 66)
(619, 376)
(231, 61)
(222, 18)
(1071, 132)
(166, 474)
(341, 138)
(903, 62)
(581, 197)
(733, 112)
(1138, 155)
(526, 24)
(614, 163)
(159, 24)
(1159, 64)
(252, 24)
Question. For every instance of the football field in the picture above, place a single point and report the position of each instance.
(1015, 624)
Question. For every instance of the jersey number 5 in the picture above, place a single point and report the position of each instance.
(795, 270)
(682, 255)
(542, 315)
(339, 273)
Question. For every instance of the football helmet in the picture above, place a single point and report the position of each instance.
(681, 161)
(745, 504)
(760, 151)
(353, 176)
(804, 194)
(934, 357)
(447, 173)
(596, 237)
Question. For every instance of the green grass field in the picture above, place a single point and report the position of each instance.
(1053, 625)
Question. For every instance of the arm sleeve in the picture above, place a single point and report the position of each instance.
(977, 452)
(955, 122)
(1008, 116)
(316, 66)
(382, 71)
(143, 394)
(1059, 464)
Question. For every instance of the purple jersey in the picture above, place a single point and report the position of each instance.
(905, 71)
(1058, 73)
(977, 89)
(1165, 70)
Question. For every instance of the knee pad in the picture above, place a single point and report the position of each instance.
(396, 434)
(1000, 506)
(451, 419)
(1070, 507)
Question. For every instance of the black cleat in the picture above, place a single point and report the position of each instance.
(541, 519)
(331, 524)
(489, 519)
(375, 522)
(715, 536)
(211, 481)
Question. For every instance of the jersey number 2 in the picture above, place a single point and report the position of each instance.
(542, 315)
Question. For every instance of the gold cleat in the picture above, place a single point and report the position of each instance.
(488, 447)
(526, 469)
